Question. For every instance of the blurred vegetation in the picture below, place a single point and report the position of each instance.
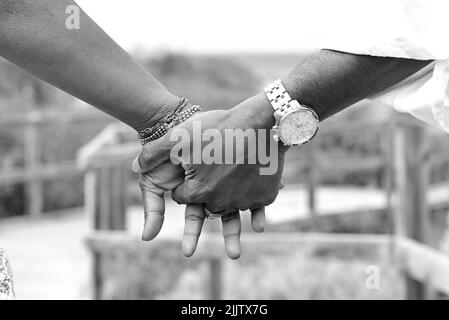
(218, 82)
(21, 92)
(211, 81)
(313, 271)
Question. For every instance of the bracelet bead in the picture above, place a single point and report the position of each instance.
(169, 122)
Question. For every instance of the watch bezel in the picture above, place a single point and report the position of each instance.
(281, 119)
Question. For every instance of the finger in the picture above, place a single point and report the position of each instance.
(258, 219)
(164, 178)
(231, 233)
(135, 167)
(184, 194)
(194, 220)
(153, 154)
(281, 185)
(154, 208)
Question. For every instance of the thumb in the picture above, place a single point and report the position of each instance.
(152, 155)
(154, 210)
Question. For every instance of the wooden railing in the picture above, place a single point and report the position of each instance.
(34, 173)
(105, 244)
(408, 167)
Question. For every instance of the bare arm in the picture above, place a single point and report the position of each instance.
(86, 62)
(330, 81)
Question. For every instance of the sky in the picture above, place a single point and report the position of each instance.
(226, 26)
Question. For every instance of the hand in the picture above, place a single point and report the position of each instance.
(154, 184)
(223, 188)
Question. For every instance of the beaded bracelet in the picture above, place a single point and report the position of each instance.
(172, 120)
(150, 131)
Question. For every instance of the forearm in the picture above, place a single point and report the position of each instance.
(85, 62)
(329, 81)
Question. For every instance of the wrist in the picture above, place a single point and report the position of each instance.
(256, 112)
(295, 124)
(155, 112)
(300, 90)
(171, 119)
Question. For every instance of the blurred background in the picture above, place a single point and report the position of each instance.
(363, 214)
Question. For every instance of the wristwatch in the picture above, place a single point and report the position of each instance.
(295, 124)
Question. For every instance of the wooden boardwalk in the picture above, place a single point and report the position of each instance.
(47, 256)
(50, 260)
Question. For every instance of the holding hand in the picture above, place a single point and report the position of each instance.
(222, 188)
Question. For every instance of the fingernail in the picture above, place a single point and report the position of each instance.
(257, 227)
(136, 166)
(187, 249)
(145, 237)
(234, 251)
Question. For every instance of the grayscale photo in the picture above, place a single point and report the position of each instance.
(229, 158)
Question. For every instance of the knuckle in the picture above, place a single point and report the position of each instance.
(269, 199)
(257, 205)
(147, 212)
(229, 216)
(198, 191)
(244, 206)
(185, 197)
(176, 198)
(193, 192)
(216, 206)
(194, 218)
(143, 181)
(145, 155)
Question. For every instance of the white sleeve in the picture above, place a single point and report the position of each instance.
(415, 29)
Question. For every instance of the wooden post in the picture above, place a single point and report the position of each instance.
(389, 173)
(411, 212)
(32, 165)
(118, 198)
(109, 200)
(311, 180)
(106, 200)
(91, 192)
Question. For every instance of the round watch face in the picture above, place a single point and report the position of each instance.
(298, 127)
